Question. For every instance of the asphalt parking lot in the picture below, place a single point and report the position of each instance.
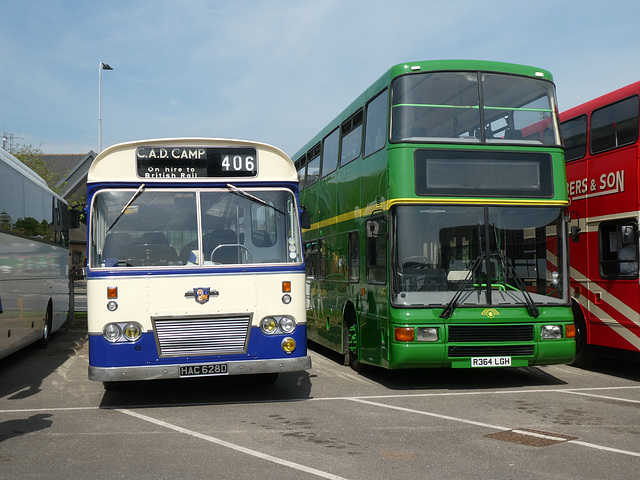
(328, 422)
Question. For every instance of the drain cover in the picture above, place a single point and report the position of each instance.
(533, 438)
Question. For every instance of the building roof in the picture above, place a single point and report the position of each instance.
(72, 169)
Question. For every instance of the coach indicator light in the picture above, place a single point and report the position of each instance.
(288, 345)
(404, 334)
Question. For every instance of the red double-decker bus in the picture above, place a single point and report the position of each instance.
(602, 157)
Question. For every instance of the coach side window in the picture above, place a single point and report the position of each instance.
(615, 125)
(330, 152)
(311, 258)
(313, 165)
(376, 250)
(354, 256)
(574, 135)
(618, 248)
(376, 124)
(351, 139)
(301, 168)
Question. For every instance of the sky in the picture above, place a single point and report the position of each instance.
(275, 71)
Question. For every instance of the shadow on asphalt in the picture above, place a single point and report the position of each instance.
(627, 369)
(294, 386)
(40, 363)
(450, 379)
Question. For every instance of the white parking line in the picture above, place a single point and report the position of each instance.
(483, 392)
(586, 391)
(233, 446)
(486, 425)
(604, 397)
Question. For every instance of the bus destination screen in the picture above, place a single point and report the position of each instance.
(483, 173)
(196, 162)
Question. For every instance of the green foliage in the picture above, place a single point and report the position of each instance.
(32, 157)
(32, 228)
(5, 221)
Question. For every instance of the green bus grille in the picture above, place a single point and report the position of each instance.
(491, 351)
(490, 333)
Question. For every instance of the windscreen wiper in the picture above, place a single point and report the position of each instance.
(451, 306)
(242, 193)
(510, 270)
(124, 209)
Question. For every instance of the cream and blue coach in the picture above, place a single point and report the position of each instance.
(195, 264)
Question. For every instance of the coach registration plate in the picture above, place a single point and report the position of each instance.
(203, 370)
(491, 362)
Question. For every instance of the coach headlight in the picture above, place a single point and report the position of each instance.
(111, 332)
(287, 324)
(278, 324)
(551, 331)
(269, 325)
(288, 345)
(132, 331)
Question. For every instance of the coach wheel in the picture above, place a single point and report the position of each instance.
(583, 358)
(352, 346)
(46, 329)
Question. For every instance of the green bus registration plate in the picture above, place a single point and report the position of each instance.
(491, 362)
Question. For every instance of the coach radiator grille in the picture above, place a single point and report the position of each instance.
(490, 333)
(491, 351)
(188, 336)
(502, 334)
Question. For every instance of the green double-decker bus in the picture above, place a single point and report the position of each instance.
(438, 207)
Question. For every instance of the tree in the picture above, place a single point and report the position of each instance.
(32, 157)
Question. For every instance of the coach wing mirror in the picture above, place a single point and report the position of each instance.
(575, 233)
(373, 228)
(376, 227)
(74, 219)
(305, 218)
(629, 233)
(575, 229)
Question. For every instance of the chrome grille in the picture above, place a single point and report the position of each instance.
(189, 336)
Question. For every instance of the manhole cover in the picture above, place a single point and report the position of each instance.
(533, 438)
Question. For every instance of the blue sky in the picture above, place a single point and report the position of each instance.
(273, 71)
